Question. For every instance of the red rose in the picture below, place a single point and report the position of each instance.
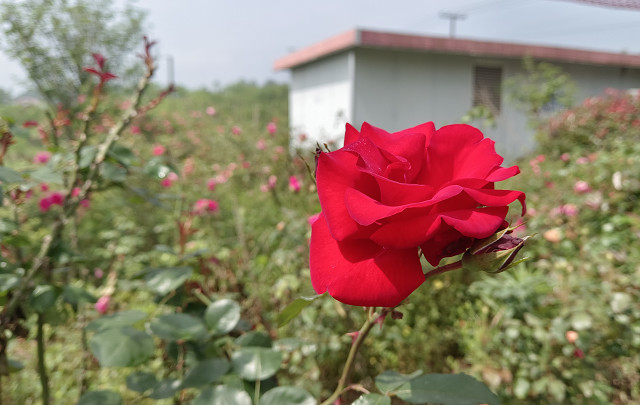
(387, 197)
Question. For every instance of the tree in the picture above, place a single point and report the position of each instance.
(54, 39)
(543, 88)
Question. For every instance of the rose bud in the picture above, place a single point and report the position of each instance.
(494, 254)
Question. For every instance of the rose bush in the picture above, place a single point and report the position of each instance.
(387, 197)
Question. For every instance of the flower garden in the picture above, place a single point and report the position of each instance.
(156, 243)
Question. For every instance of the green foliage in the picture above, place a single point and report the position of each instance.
(541, 89)
(53, 41)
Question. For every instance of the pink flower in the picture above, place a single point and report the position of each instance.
(571, 336)
(236, 130)
(44, 187)
(581, 187)
(42, 157)
(211, 111)
(582, 160)
(28, 124)
(272, 181)
(135, 129)
(294, 184)
(570, 210)
(75, 192)
(565, 157)
(272, 128)
(205, 205)
(261, 145)
(102, 305)
(57, 198)
(158, 150)
(169, 180)
(85, 203)
(45, 204)
(211, 184)
(98, 273)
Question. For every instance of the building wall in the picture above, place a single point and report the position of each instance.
(399, 89)
(320, 100)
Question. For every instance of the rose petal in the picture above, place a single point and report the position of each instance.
(359, 272)
(338, 171)
(414, 228)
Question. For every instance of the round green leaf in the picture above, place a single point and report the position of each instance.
(163, 281)
(256, 363)
(174, 327)
(222, 395)
(116, 320)
(287, 396)
(222, 316)
(43, 298)
(121, 347)
(8, 175)
(372, 399)
(255, 339)
(140, 381)
(8, 281)
(446, 389)
(389, 380)
(165, 389)
(205, 372)
(100, 398)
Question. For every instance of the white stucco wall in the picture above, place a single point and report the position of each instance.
(320, 101)
(399, 89)
(396, 90)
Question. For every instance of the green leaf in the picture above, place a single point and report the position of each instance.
(46, 175)
(222, 395)
(113, 172)
(140, 381)
(122, 347)
(8, 175)
(256, 363)
(8, 281)
(43, 298)
(14, 365)
(7, 225)
(446, 389)
(100, 398)
(292, 310)
(389, 380)
(254, 339)
(87, 154)
(75, 295)
(372, 399)
(206, 372)
(122, 154)
(117, 320)
(287, 396)
(174, 327)
(222, 316)
(165, 388)
(163, 281)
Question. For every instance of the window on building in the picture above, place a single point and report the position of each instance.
(487, 85)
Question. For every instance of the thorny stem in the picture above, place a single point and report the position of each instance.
(443, 269)
(42, 366)
(355, 347)
(364, 331)
(71, 204)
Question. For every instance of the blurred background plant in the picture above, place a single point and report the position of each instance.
(204, 202)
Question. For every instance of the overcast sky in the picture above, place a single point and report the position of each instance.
(216, 41)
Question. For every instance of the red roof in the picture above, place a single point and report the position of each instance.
(385, 40)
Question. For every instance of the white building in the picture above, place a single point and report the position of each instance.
(395, 81)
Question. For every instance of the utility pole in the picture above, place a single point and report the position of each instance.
(170, 74)
(452, 17)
